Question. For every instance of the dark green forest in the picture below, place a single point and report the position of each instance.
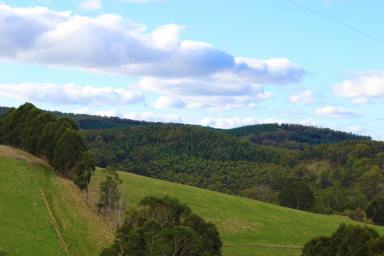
(341, 176)
(315, 169)
(86, 122)
(292, 136)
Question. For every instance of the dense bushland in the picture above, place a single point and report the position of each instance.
(57, 140)
(339, 177)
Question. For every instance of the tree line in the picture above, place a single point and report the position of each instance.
(57, 140)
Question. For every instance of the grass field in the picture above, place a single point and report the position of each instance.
(247, 227)
(43, 214)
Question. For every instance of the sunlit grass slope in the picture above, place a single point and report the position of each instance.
(43, 214)
(247, 227)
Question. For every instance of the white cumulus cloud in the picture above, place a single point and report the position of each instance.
(335, 111)
(91, 5)
(193, 74)
(301, 98)
(70, 94)
(169, 102)
(363, 88)
(112, 43)
(217, 94)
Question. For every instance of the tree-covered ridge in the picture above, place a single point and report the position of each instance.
(342, 177)
(57, 140)
(292, 135)
(143, 144)
(87, 122)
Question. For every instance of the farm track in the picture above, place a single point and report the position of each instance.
(54, 224)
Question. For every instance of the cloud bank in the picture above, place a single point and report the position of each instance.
(111, 43)
(70, 94)
(194, 74)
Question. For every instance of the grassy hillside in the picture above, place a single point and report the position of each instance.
(247, 227)
(43, 214)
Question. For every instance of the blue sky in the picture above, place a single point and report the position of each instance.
(216, 63)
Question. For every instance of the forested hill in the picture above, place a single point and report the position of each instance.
(297, 166)
(144, 144)
(292, 135)
(86, 122)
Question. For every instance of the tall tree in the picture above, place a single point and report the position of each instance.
(297, 195)
(111, 203)
(375, 211)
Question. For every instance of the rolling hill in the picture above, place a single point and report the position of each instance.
(45, 214)
(247, 227)
(42, 213)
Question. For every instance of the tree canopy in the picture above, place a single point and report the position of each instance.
(348, 240)
(375, 211)
(57, 140)
(165, 226)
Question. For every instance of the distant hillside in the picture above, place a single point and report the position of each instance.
(152, 142)
(292, 135)
(342, 175)
(283, 135)
(86, 122)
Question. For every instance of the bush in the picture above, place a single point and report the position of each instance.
(165, 226)
(297, 195)
(375, 211)
(348, 240)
